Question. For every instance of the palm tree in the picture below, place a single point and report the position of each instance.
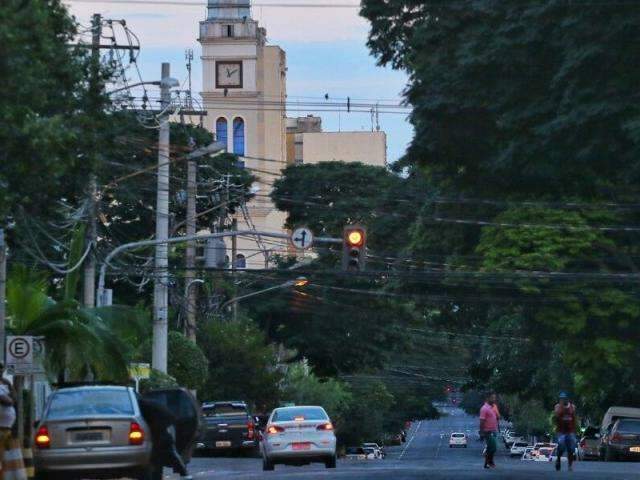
(79, 341)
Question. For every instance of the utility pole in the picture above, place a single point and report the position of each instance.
(161, 288)
(89, 274)
(190, 254)
(234, 253)
(3, 291)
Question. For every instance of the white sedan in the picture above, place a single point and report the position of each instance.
(458, 439)
(518, 449)
(298, 436)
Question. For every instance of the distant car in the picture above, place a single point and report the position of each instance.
(371, 453)
(622, 440)
(527, 454)
(588, 445)
(355, 453)
(379, 451)
(518, 448)
(298, 436)
(511, 437)
(544, 454)
(98, 430)
(227, 426)
(458, 439)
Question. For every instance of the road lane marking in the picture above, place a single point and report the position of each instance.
(410, 440)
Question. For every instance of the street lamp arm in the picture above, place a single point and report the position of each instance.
(133, 85)
(187, 238)
(288, 284)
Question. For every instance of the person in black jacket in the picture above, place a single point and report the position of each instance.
(164, 453)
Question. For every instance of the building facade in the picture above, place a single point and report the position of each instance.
(244, 94)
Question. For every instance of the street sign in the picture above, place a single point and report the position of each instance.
(139, 371)
(20, 354)
(302, 238)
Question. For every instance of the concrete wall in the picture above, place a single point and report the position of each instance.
(367, 147)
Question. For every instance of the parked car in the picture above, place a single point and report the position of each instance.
(98, 430)
(511, 437)
(518, 448)
(621, 441)
(379, 451)
(371, 453)
(227, 426)
(588, 446)
(614, 413)
(298, 436)
(458, 439)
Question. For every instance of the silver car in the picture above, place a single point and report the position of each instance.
(92, 431)
(298, 436)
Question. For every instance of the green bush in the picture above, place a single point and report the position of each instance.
(187, 363)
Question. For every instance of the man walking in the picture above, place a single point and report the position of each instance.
(489, 428)
(164, 453)
(564, 415)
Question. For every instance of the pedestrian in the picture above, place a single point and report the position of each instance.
(7, 411)
(162, 423)
(489, 428)
(564, 415)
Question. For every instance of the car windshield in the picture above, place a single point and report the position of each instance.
(457, 435)
(519, 444)
(299, 414)
(629, 426)
(75, 403)
(224, 409)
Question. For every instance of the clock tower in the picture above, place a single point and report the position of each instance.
(244, 94)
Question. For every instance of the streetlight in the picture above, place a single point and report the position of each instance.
(298, 282)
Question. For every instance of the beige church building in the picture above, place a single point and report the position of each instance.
(245, 94)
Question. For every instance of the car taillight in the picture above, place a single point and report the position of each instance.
(583, 443)
(616, 437)
(136, 434)
(273, 429)
(250, 430)
(42, 439)
(325, 427)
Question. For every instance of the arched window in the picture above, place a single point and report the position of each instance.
(221, 130)
(241, 261)
(238, 136)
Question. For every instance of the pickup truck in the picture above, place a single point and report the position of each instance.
(227, 426)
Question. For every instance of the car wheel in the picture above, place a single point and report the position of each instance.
(330, 462)
(267, 465)
(609, 455)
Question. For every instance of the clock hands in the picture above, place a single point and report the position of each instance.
(231, 72)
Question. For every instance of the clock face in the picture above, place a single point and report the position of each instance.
(228, 74)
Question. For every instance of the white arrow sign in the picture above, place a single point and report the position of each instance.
(302, 238)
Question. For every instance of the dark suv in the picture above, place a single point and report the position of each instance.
(227, 426)
(621, 440)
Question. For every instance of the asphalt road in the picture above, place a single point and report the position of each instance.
(426, 455)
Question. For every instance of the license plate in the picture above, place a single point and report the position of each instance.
(635, 449)
(301, 446)
(223, 444)
(88, 437)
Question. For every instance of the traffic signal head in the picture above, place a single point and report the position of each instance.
(354, 242)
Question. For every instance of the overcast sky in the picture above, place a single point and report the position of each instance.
(326, 53)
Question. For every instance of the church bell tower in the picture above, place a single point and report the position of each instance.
(244, 94)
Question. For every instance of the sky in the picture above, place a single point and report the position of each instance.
(326, 54)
